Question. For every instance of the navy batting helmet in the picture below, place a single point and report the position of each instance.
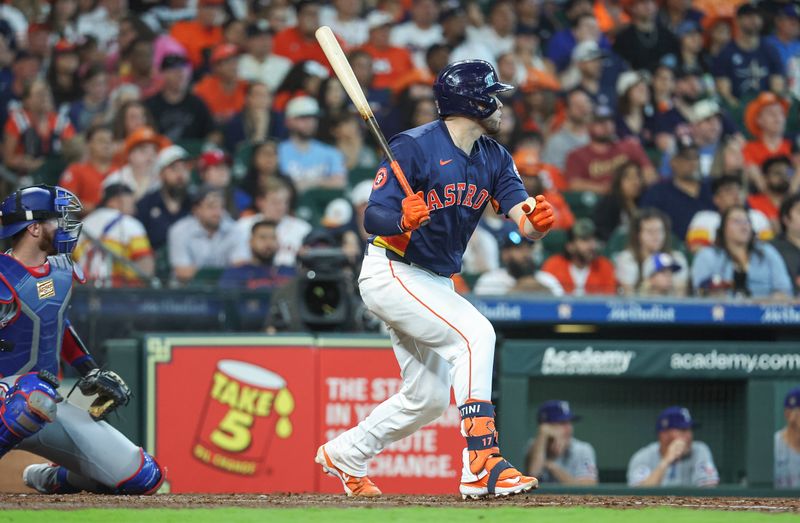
(41, 203)
(466, 88)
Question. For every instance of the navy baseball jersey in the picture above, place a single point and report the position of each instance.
(456, 188)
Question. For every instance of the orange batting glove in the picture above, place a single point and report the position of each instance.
(542, 216)
(415, 212)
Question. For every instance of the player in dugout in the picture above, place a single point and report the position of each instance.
(36, 278)
(440, 339)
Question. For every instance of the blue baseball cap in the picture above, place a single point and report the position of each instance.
(790, 11)
(675, 418)
(792, 400)
(555, 411)
(687, 27)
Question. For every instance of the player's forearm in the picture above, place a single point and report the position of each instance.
(655, 477)
(537, 458)
(565, 478)
(382, 221)
(74, 352)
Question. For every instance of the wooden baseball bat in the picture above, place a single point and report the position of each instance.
(338, 60)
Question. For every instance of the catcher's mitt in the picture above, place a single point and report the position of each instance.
(111, 390)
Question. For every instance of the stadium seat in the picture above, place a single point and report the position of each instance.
(311, 204)
(554, 242)
(582, 203)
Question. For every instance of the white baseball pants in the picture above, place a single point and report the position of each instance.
(440, 341)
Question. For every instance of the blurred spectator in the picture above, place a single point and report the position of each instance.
(234, 32)
(62, 20)
(130, 117)
(62, 75)
(334, 105)
(683, 195)
(274, 203)
(422, 111)
(646, 39)
(765, 120)
(739, 265)
(344, 18)
(160, 208)
(85, 179)
(161, 17)
(728, 192)
(141, 73)
(93, 106)
(673, 121)
(748, 65)
(580, 269)
(692, 56)
(675, 460)
(307, 161)
(674, 13)
(260, 64)
(706, 131)
(349, 140)
(540, 178)
(649, 265)
(718, 32)
(586, 71)
(304, 78)
(298, 43)
(202, 34)
(620, 205)
(388, 62)
(214, 170)
(591, 167)
(787, 443)
(582, 27)
(207, 238)
(379, 99)
(785, 39)
(254, 123)
(780, 181)
(635, 115)
(33, 131)
(518, 273)
(455, 31)
(535, 16)
(260, 272)
(537, 105)
(420, 79)
(103, 21)
(221, 90)
(114, 250)
(263, 167)
(575, 131)
(788, 241)
(419, 33)
(555, 455)
(179, 114)
(498, 34)
(140, 153)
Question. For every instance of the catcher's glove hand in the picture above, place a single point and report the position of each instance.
(111, 390)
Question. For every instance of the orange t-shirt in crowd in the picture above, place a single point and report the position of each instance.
(388, 64)
(763, 203)
(601, 278)
(756, 153)
(414, 77)
(196, 38)
(604, 19)
(86, 182)
(291, 44)
(12, 128)
(222, 104)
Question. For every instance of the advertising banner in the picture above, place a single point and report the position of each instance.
(241, 414)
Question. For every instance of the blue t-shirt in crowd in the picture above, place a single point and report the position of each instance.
(786, 50)
(316, 162)
(748, 71)
(679, 206)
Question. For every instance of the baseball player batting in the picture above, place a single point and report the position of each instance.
(440, 340)
(36, 277)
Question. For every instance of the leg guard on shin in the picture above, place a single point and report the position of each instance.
(146, 480)
(27, 407)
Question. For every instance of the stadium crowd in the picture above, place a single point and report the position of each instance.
(208, 138)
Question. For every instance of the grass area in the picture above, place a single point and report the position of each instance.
(395, 515)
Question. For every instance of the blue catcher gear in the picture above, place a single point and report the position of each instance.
(145, 481)
(26, 408)
(467, 88)
(42, 203)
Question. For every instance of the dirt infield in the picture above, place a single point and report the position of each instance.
(80, 501)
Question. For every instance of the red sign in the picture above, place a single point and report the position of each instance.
(352, 383)
(236, 419)
(245, 419)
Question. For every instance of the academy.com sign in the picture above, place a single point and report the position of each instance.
(721, 361)
(588, 361)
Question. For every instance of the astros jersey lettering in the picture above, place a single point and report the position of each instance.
(456, 188)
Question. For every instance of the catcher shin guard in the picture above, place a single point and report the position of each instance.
(27, 407)
(495, 476)
(146, 480)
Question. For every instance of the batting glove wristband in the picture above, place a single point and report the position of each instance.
(415, 212)
(541, 216)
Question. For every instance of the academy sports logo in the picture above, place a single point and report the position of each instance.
(380, 178)
(588, 361)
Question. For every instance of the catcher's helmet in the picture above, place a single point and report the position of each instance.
(41, 203)
(465, 88)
